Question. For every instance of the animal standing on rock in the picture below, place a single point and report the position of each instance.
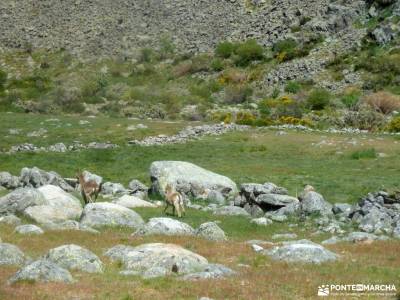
(174, 199)
(89, 188)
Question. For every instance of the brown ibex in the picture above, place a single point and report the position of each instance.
(174, 199)
(89, 188)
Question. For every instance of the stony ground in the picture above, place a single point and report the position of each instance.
(330, 162)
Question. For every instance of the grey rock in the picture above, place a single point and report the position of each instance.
(172, 258)
(331, 241)
(137, 186)
(288, 210)
(302, 251)
(75, 258)
(109, 214)
(376, 221)
(10, 220)
(20, 199)
(9, 181)
(212, 271)
(342, 209)
(263, 221)
(276, 199)
(188, 179)
(165, 226)
(110, 188)
(11, 255)
(42, 271)
(36, 177)
(254, 210)
(277, 218)
(356, 237)
(211, 231)
(231, 211)
(383, 34)
(284, 236)
(312, 202)
(29, 229)
(396, 232)
(132, 202)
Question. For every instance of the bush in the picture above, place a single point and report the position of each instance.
(383, 102)
(217, 65)
(361, 154)
(247, 52)
(394, 125)
(3, 79)
(225, 49)
(285, 50)
(350, 100)
(318, 99)
(365, 119)
(245, 118)
(236, 94)
(233, 76)
(292, 87)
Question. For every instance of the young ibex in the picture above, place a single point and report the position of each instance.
(89, 188)
(174, 199)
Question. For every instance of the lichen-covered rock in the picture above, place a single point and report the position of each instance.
(166, 259)
(312, 202)
(111, 188)
(189, 179)
(263, 221)
(10, 220)
(284, 236)
(276, 200)
(11, 255)
(231, 211)
(301, 251)
(29, 229)
(109, 214)
(9, 181)
(20, 199)
(36, 177)
(165, 226)
(73, 257)
(42, 271)
(212, 271)
(132, 202)
(211, 231)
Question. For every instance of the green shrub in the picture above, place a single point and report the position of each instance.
(3, 79)
(235, 94)
(292, 87)
(167, 47)
(146, 55)
(247, 52)
(364, 118)
(225, 49)
(363, 154)
(217, 65)
(289, 49)
(394, 125)
(350, 100)
(318, 99)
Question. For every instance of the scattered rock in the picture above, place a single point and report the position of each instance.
(263, 221)
(284, 236)
(132, 202)
(36, 177)
(165, 226)
(188, 179)
(301, 251)
(109, 214)
(276, 200)
(212, 271)
(9, 181)
(110, 188)
(169, 258)
(10, 220)
(73, 257)
(231, 211)
(20, 199)
(211, 231)
(29, 229)
(11, 255)
(42, 271)
(312, 202)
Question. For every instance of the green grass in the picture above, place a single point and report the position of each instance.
(292, 161)
(362, 154)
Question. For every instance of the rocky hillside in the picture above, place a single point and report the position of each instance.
(254, 62)
(118, 27)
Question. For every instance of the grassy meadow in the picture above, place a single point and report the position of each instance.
(341, 167)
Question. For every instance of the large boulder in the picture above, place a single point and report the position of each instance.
(75, 258)
(36, 177)
(301, 251)
(189, 179)
(42, 271)
(29, 229)
(312, 202)
(9, 181)
(20, 199)
(376, 221)
(165, 226)
(10, 220)
(231, 211)
(132, 202)
(211, 231)
(11, 255)
(59, 206)
(157, 259)
(276, 200)
(109, 214)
